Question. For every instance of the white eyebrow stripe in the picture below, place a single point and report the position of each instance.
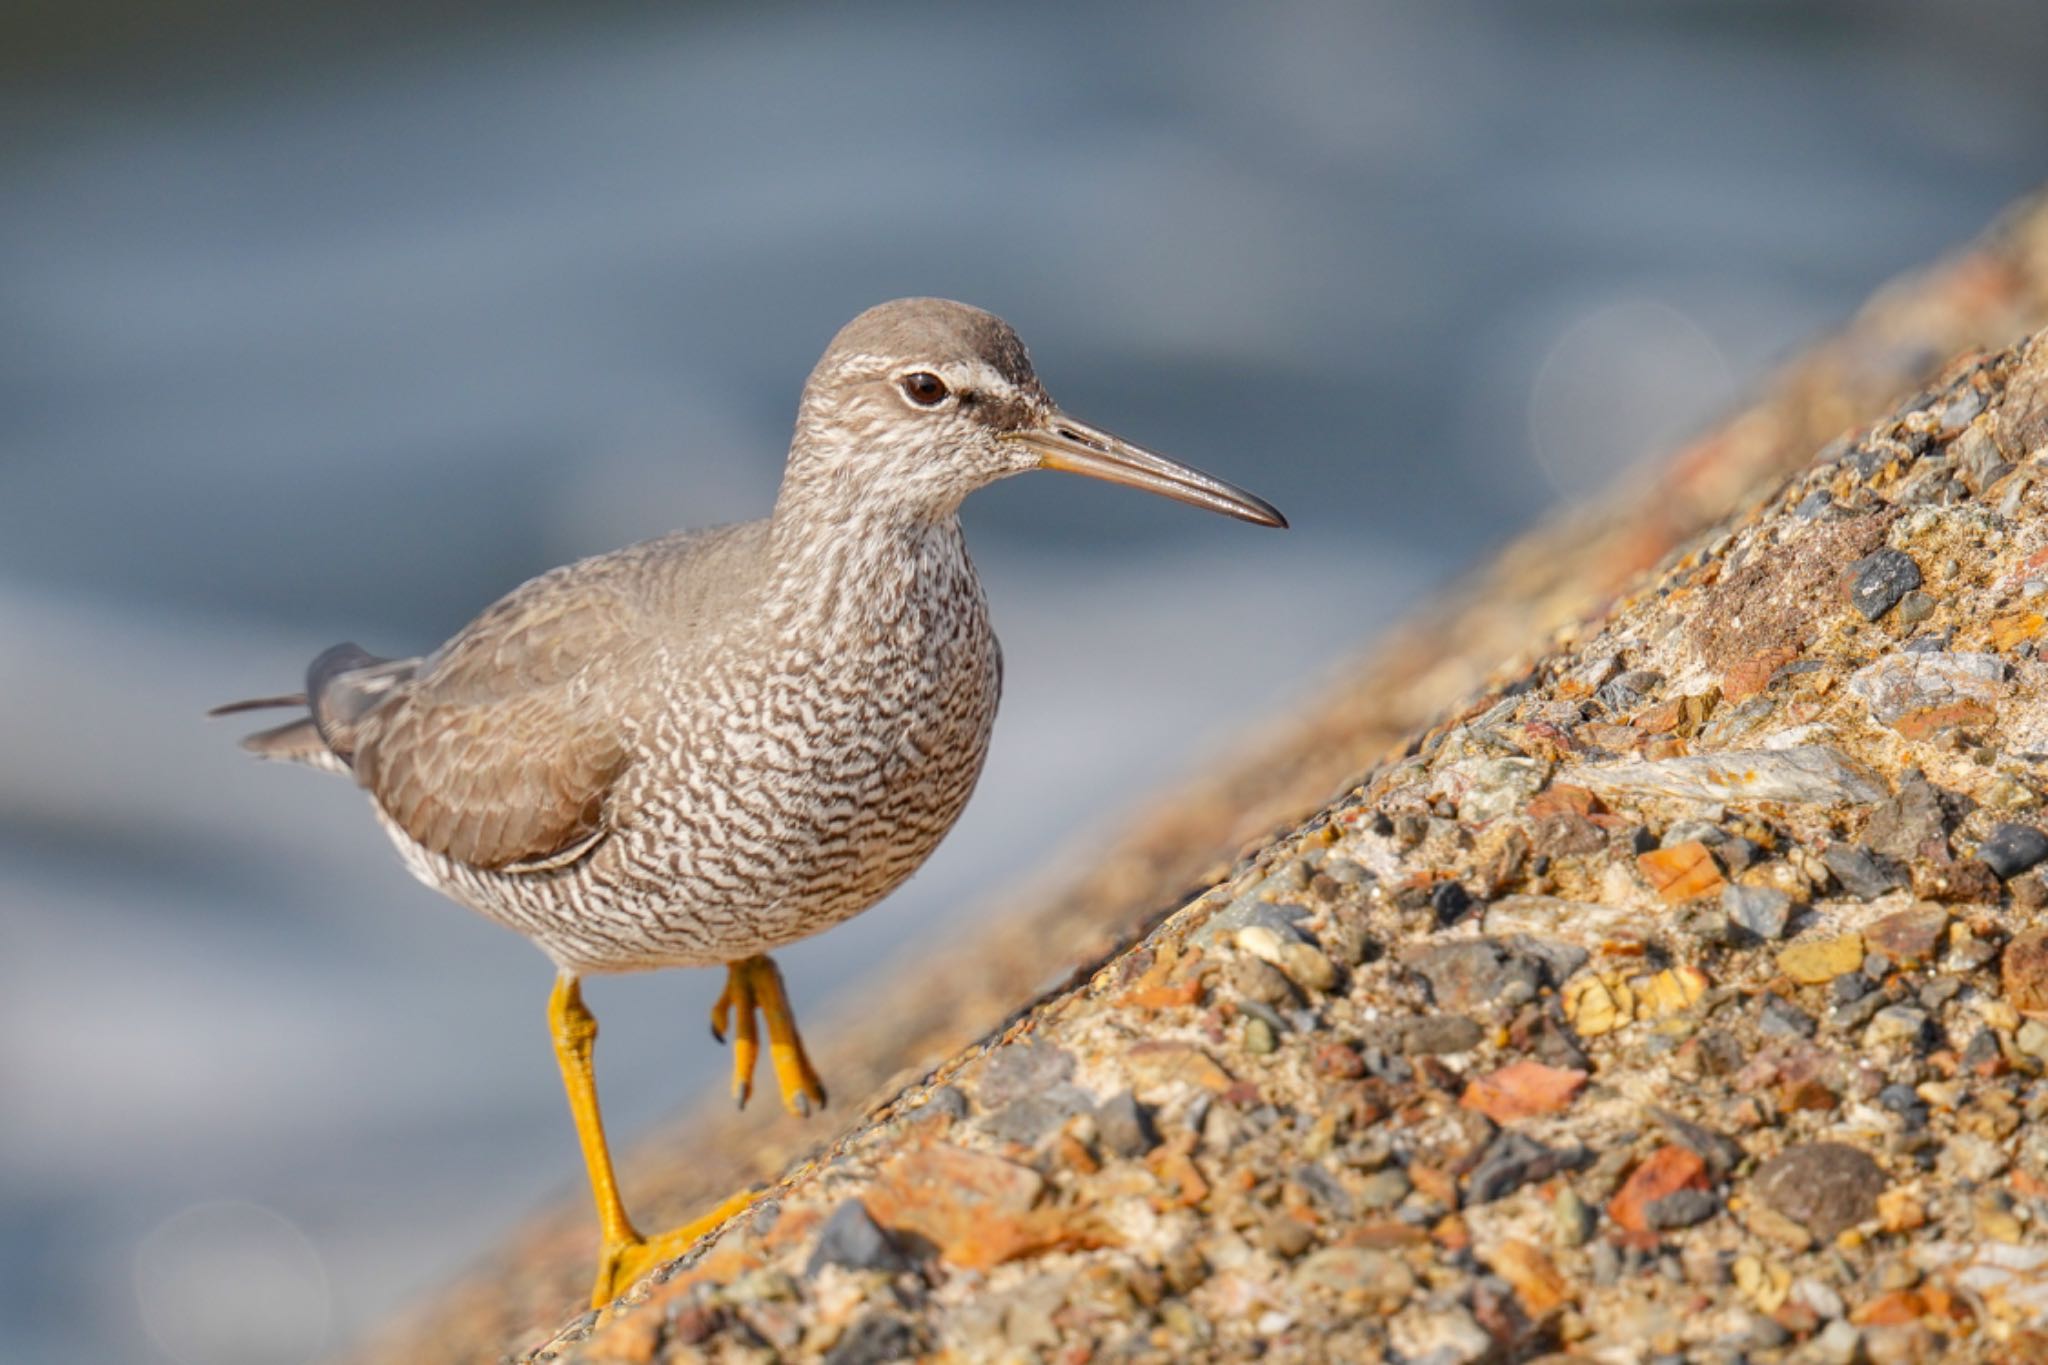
(985, 377)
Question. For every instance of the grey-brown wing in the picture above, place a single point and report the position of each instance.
(503, 748)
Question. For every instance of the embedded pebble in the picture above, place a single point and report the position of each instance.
(1377, 1280)
(851, 1238)
(1024, 1068)
(2012, 849)
(1572, 1219)
(1861, 873)
(876, 1339)
(1512, 1160)
(1474, 972)
(2023, 972)
(1125, 1126)
(1257, 979)
(1912, 821)
(1449, 1337)
(1762, 910)
(1779, 1017)
(1816, 962)
(1434, 1034)
(1910, 938)
(1824, 1187)
(1803, 773)
(1384, 1188)
(1896, 1024)
(1903, 684)
(1881, 580)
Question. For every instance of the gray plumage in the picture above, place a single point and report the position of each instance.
(699, 748)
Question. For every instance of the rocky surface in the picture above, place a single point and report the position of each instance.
(1686, 994)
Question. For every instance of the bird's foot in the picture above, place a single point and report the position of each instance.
(624, 1263)
(755, 984)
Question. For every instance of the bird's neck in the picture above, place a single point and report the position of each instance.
(835, 558)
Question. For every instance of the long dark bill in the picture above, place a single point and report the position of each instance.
(1078, 448)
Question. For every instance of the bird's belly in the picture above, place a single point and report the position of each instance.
(767, 832)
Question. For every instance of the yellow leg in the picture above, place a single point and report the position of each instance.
(626, 1255)
(754, 984)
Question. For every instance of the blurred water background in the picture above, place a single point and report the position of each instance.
(337, 322)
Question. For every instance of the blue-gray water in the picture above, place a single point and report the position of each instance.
(322, 333)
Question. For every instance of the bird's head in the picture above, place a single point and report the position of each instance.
(919, 402)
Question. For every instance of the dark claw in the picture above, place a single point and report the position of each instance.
(717, 1033)
(803, 1105)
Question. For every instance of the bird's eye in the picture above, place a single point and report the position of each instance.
(924, 388)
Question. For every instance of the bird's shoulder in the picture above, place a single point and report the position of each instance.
(502, 748)
(581, 617)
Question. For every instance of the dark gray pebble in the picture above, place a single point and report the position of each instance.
(1324, 1189)
(1626, 691)
(1860, 1011)
(1762, 910)
(1125, 1126)
(1862, 873)
(1449, 901)
(2012, 849)
(1901, 1100)
(1558, 959)
(1780, 1018)
(1031, 1118)
(1738, 854)
(1905, 825)
(1471, 973)
(1982, 1051)
(877, 1339)
(853, 1239)
(1681, 1209)
(1510, 1161)
(1721, 1152)
(1940, 991)
(1881, 579)
(946, 1100)
(1024, 1068)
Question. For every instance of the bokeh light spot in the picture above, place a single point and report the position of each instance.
(232, 1283)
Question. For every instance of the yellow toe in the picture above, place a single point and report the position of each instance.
(754, 984)
(624, 1264)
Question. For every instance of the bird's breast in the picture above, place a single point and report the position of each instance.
(806, 773)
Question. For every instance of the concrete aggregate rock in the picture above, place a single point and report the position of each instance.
(1881, 579)
(1805, 773)
(2012, 849)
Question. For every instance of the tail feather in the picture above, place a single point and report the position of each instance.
(342, 685)
(296, 742)
(259, 704)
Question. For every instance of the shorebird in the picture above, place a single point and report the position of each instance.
(692, 751)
